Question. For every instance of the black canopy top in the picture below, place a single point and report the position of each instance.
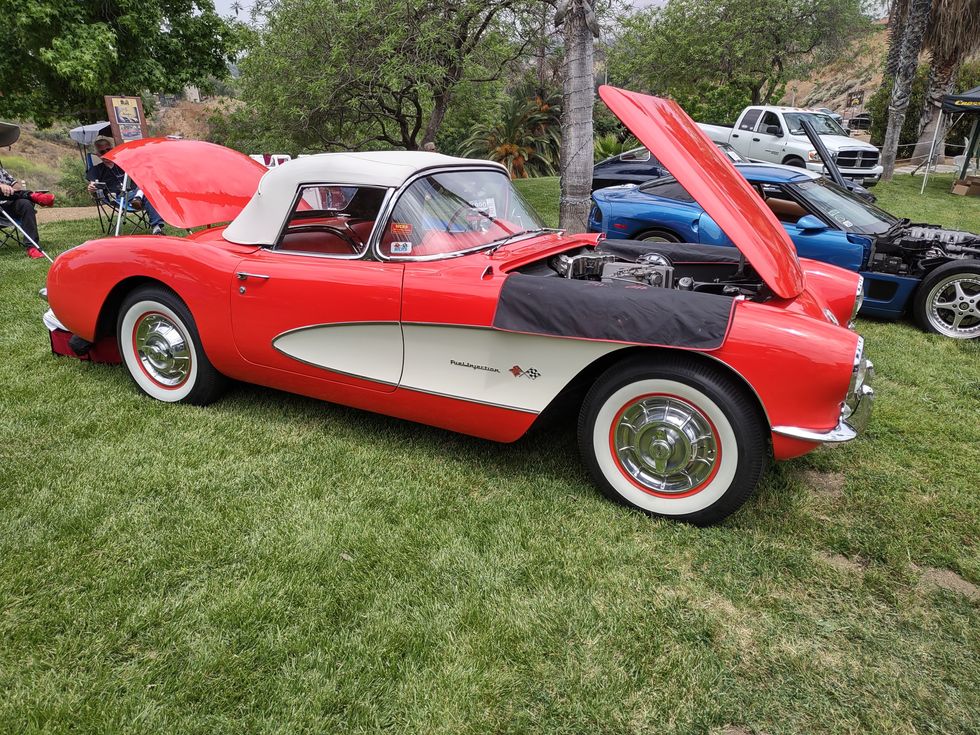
(968, 101)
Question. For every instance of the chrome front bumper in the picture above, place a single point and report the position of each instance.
(855, 410)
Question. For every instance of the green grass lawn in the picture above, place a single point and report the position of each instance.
(272, 564)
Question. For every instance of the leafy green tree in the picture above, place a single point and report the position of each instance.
(356, 73)
(716, 56)
(61, 57)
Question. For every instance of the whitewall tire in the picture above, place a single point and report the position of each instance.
(673, 438)
(161, 348)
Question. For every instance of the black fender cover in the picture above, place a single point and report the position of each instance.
(613, 312)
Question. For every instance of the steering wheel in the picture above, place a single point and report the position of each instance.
(467, 208)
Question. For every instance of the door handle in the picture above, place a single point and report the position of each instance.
(734, 135)
(756, 140)
(242, 275)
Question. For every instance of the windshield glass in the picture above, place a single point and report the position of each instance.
(824, 124)
(844, 209)
(455, 212)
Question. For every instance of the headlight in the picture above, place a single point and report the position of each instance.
(813, 156)
(858, 299)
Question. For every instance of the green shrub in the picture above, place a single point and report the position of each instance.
(70, 190)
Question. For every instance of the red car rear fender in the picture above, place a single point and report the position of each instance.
(86, 285)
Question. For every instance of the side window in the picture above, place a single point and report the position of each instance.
(749, 118)
(770, 124)
(331, 220)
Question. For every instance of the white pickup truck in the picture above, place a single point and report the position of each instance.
(775, 134)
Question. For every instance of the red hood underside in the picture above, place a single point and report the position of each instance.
(190, 183)
(709, 176)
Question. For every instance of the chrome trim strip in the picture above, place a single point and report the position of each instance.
(838, 435)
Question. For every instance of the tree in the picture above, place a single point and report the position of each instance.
(911, 40)
(525, 137)
(60, 58)
(953, 35)
(716, 56)
(579, 25)
(349, 74)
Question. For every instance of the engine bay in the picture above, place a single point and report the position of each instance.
(915, 249)
(653, 268)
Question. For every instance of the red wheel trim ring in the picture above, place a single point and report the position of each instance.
(628, 476)
(136, 352)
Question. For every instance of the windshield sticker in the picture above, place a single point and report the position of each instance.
(401, 228)
(489, 206)
(401, 247)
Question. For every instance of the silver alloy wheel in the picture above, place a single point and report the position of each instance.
(162, 349)
(953, 306)
(656, 238)
(665, 444)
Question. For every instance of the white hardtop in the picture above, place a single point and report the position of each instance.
(261, 221)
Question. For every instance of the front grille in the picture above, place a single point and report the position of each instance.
(857, 158)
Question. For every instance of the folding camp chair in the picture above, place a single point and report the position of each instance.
(114, 221)
(108, 207)
(9, 234)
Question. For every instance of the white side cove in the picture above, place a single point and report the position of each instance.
(371, 350)
(516, 371)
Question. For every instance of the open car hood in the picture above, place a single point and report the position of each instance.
(190, 183)
(709, 176)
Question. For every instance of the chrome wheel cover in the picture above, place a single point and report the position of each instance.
(665, 444)
(953, 306)
(656, 238)
(163, 350)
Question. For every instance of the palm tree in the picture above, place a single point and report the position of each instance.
(524, 139)
(579, 25)
(912, 39)
(954, 34)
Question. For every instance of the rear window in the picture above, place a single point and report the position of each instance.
(668, 188)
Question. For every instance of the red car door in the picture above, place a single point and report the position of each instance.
(324, 317)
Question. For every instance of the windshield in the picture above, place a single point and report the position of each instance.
(456, 212)
(824, 124)
(844, 209)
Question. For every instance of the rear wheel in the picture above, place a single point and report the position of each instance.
(658, 236)
(161, 348)
(947, 301)
(673, 438)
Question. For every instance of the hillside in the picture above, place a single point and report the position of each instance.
(859, 69)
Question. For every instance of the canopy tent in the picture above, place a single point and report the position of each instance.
(9, 133)
(967, 103)
(86, 134)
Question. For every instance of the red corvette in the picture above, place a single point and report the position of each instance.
(423, 287)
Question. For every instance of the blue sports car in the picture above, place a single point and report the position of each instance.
(923, 269)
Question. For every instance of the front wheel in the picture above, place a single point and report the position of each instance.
(795, 162)
(673, 438)
(947, 301)
(161, 348)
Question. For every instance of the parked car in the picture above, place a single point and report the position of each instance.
(637, 166)
(861, 121)
(775, 135)
(836, 117)
(423, 287)
(921, 269)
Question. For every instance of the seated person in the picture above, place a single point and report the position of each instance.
(112, 177)
(19, 204)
